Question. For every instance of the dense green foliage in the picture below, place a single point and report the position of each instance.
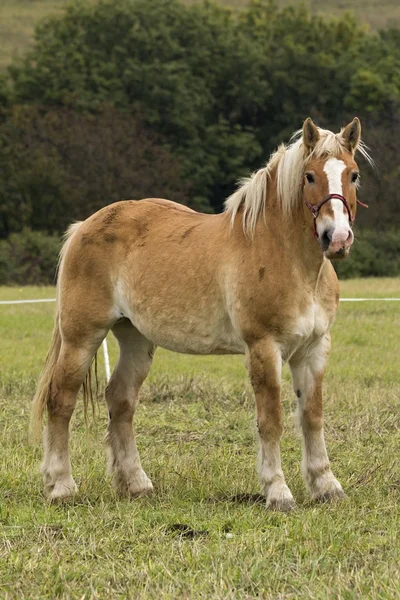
(374, 254)
(132, 98)
(60, 165)
(29, 257)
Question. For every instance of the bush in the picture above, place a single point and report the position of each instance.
(125, 99)
(29, 258)
(59, 166)
(374, 254)
(221, 88)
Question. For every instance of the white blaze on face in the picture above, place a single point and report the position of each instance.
(342, 234)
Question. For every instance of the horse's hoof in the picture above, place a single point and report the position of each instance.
(281, 505)
(335, 495)
(137, 487)
(141, 493)
(61, 491)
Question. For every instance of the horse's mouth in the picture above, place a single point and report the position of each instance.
(338, 255)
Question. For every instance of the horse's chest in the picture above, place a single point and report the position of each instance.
(313, 323)
(306, 328)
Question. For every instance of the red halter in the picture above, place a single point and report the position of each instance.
(315, 208)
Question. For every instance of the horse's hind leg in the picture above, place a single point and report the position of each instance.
(136, 354)
(69, 372)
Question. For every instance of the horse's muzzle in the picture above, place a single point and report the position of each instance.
(336, 242)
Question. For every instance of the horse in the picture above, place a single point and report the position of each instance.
(256, 279)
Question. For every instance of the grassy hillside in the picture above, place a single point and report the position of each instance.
(19, 17)
(17, 22)
(376, 14)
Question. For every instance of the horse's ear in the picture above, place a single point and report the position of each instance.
(310, 134)
(352, 134)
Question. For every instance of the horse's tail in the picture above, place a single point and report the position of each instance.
(42, 394)
(43, 389)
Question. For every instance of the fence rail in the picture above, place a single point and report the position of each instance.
(104, 344)
(105, 347)
(341, 300)
(369, 299)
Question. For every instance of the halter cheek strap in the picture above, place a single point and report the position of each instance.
(315, 208)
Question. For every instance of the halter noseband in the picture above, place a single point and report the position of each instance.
(315, 208)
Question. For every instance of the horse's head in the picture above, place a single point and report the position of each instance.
(330, 188)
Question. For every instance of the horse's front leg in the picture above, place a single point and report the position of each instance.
(307, 371)
(264, 365)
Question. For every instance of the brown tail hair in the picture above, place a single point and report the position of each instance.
(42, 394)
(43, 389)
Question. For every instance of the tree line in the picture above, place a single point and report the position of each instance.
(135, 98)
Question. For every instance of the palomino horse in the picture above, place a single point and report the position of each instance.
(254, 280)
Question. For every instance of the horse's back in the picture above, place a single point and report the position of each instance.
(168, 204)
(159, 264)
(128, 236)
(189, 282)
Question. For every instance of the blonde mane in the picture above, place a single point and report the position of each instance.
(289, 162)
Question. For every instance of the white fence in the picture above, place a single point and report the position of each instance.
(105, 347)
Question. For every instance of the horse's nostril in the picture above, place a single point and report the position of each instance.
(326, 239)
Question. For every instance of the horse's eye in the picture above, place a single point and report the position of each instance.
(310, 178)
(354, 177)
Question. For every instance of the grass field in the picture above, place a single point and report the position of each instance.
(18, 18)
(197, 440)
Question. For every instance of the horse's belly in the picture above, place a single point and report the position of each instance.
(189, 337)
(194, 331)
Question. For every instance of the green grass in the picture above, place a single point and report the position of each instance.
(18, 18)
(197, 440)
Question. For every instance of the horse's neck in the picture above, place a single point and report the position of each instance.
(292, 238)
